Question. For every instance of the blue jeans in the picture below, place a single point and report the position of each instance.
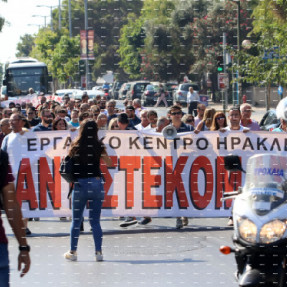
(87, 190)
(4, 265)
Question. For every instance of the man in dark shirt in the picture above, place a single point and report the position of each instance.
(14, 215)
(46, 123)
(134, 120)
(31, 116)
(176, 116)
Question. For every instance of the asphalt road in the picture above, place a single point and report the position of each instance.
(153, 255)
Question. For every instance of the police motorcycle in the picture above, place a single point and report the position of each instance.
(260, 221)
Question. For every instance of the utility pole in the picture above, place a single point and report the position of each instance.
(70, 19)
(225, 106)
(87, 41)
(60, 16)
(238, 50)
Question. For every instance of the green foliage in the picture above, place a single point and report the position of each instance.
(66, 58)
(269, 26)
(131, 41)
(24, 47)
(60, 52)
(2, 20)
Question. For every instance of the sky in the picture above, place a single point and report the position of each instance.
(19, 14)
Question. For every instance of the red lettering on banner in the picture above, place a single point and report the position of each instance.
(129, 164)
(110, 201)
(50, 183)
(150, 180)
(201, 163)
(25, 189)
(173, 182)
(225, 183)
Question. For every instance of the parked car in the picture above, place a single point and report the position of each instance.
(114, 91)
(269, 121)
(136, 89)
(91, 93)
(70, 92)
(149, 95)
(123, 90)
(180, 94)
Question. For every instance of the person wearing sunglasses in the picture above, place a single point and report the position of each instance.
(32, 118)
(113, 124)
(188, 119)
(176, 120)
(219, 121)
(175, 114)
(46, 121)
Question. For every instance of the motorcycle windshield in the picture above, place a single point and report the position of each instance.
(266, 181)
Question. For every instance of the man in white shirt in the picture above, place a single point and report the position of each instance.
(12, 144)
(144, 120)
(192, 101)
(152, 119)
(234, 117)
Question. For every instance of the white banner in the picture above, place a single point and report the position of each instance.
(150, 176)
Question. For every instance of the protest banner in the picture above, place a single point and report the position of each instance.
(150, 176)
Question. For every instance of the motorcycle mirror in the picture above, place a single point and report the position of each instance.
(232, 163)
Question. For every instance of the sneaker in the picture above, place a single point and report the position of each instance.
(184, 221)
(179, 223)
(99, 256)
(63, 218)
(145, 221)
(129, 221)
(28, 231)
(230, 221)
(71, 256)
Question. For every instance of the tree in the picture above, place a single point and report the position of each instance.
(2, 20)
(66, 59)
(60, 52)
(267, 65)
(24, 47)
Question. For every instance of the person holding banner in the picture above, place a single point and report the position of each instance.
(86, 152)
(13, 211)
(176, 121)
(46, 123)
(11, 145)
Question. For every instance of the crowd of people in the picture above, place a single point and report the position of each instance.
(91, 115)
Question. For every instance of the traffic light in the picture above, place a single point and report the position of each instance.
(220, 64)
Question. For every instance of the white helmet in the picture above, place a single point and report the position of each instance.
(281, 109)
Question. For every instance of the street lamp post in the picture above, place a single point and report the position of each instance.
(87, 55)
(42, 17)
(51, 13)
(238, 49)
(60, 16)
(70, 19)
